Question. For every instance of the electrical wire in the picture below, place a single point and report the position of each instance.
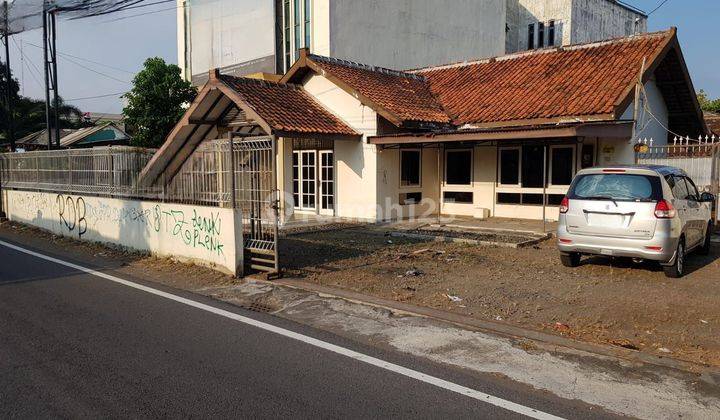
(646, 106)
(25, 59)
(141, 14)
(94, 71)
(662, 3)
(96, 97)
(85, 59)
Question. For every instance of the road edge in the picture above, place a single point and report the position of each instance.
(496, 328)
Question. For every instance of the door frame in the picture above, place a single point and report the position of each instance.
(321, 182)
(318, 181)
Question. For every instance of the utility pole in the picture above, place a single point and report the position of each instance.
(47, 78)
(53, 57)
(636, 108)
(8, 81)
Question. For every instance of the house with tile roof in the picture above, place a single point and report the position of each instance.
(496, 137)
(104, 134)
(712, 119)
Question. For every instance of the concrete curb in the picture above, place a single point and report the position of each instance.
(497, 328)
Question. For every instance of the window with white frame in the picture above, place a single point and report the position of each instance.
(297, 29)
(410, 167)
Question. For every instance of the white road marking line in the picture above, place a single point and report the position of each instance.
(432, 380)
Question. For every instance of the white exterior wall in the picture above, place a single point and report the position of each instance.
(616, 152)
(389, 188)
(356, 162)
(320, 22)
(222, 33)
(403, 34)
(210, 236)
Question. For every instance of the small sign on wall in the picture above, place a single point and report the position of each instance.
(608, 153)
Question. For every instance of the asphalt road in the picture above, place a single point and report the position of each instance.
(76, 345)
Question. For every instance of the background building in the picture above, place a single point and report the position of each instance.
(533, 24)
(265, 36)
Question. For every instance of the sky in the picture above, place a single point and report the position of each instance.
(99, 55)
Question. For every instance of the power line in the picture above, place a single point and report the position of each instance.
(94, 71)
(96, 97)
(142, 14)
(124, 9)
(86, 59)
(662, 3)
(25, 58)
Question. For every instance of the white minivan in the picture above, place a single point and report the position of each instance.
(642, 212)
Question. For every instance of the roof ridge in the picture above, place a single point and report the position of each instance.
(260, 82)
(540, 51)
(368, 67)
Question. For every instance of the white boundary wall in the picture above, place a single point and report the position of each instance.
(210, 236)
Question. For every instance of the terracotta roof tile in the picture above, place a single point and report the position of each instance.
(287, 107)
(713, 122)
(406, 96)
(581, 80)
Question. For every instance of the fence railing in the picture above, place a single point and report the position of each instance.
(700, 161)
(204, 178)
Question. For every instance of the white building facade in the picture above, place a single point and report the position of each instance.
(533, 24)
(480, 139)
(265, 36)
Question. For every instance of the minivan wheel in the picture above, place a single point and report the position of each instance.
(677, 270)
(570, 259)
(705, 249)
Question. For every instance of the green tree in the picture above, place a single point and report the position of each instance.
(156, 102)
(14, 89)
(30, 116)
(707, 104)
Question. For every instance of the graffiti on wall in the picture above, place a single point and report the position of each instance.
(195, 231)
(78, 216)
(71, 212)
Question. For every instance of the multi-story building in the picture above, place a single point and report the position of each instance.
(533, 24)
(265, 36)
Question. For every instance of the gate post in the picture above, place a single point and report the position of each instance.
(232, 171)
(715, 179)
(239, 240)
(276, 200)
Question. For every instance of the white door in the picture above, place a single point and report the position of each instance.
(304, 179)
(327, 182)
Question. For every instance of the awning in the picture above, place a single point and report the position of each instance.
(268, 108)
(604, 129)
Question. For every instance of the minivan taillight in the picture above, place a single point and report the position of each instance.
(664, 210)
(564, 205)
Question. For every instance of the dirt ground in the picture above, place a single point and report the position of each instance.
(604, 300)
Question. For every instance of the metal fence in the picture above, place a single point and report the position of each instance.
(700, 161)
(114, 171)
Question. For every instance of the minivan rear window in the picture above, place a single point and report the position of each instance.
(616, 187)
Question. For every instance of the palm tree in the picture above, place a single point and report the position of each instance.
(30, 116)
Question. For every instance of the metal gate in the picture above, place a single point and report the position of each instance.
(255, 192)
(700, 160)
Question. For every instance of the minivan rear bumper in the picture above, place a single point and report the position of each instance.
(660, 248)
